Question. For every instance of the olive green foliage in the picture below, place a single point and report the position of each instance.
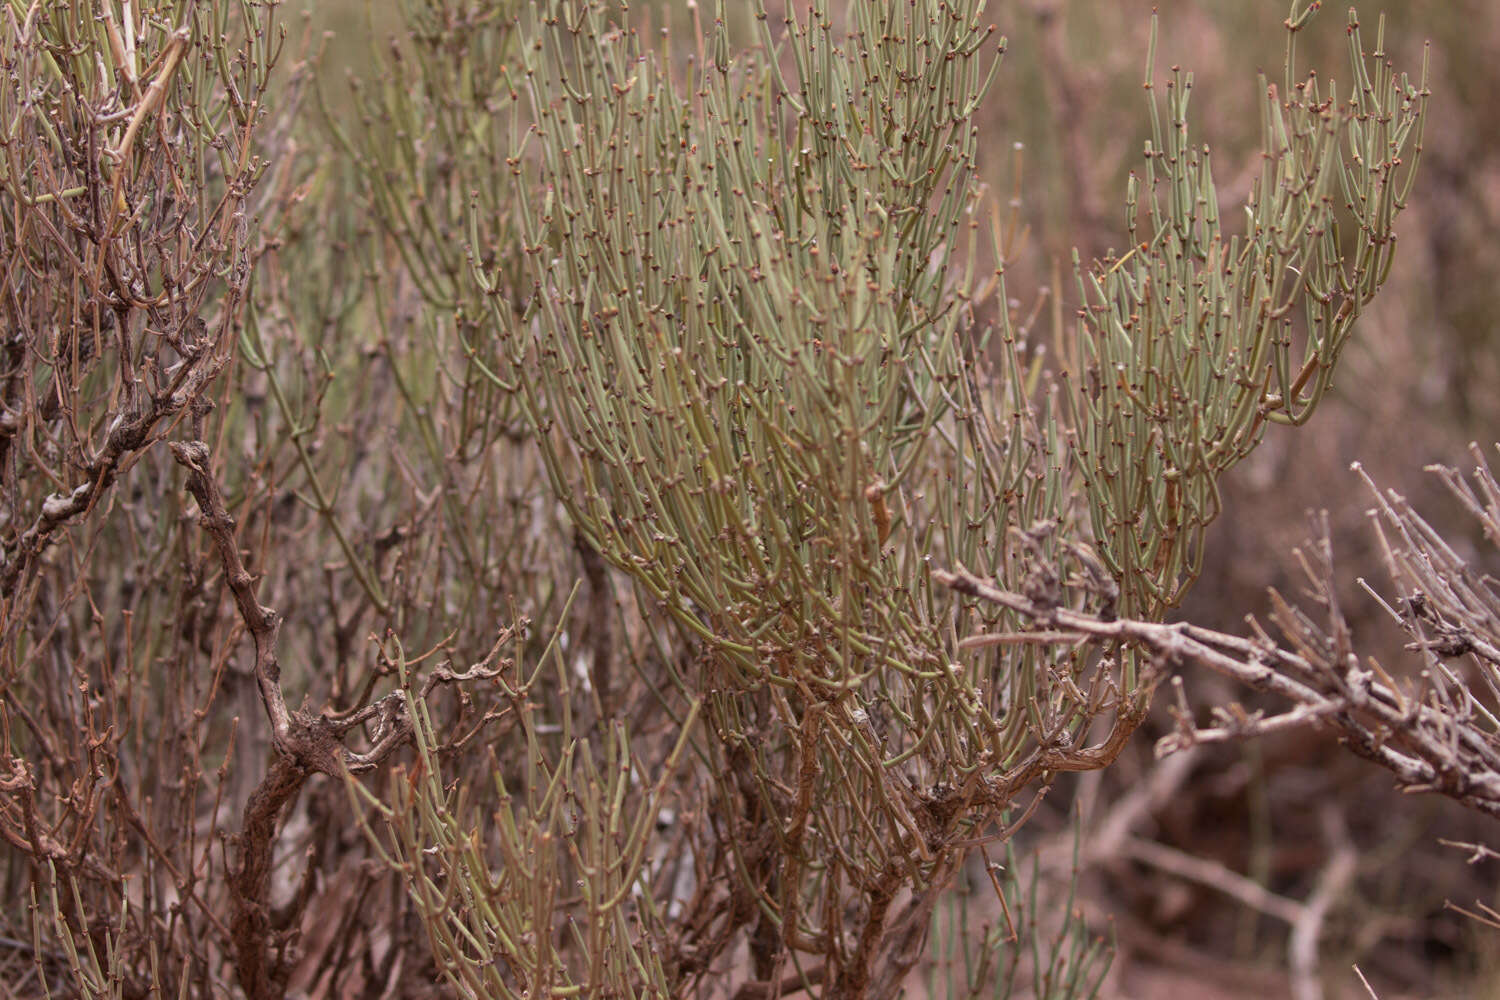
(744, 331)
(1020, 950)
(1189, 345)
(748, 355)
(495, 887)
(753, 350)
(368, 341)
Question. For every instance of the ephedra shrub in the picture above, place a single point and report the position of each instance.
(773, 390)
(701, 322)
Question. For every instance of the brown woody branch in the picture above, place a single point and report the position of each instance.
(1426, 748)
(305, 744)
